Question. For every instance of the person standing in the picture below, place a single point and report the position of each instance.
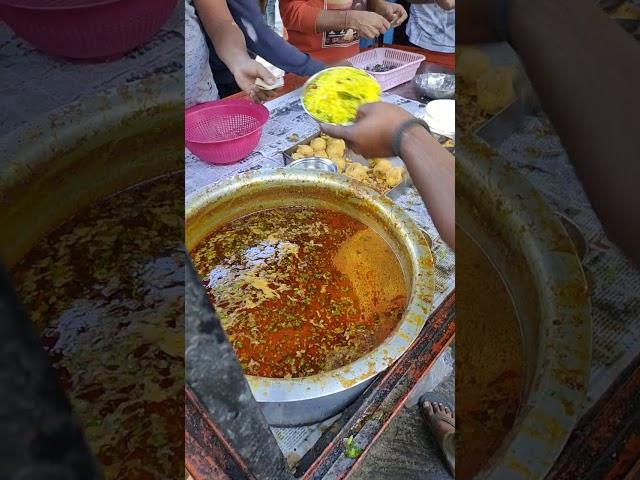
(330, 30)
(432, 25)
(260, 40)
(230, 45)
(199, 86)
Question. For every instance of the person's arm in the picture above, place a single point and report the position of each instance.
(228, 41)
(586, 71)
(299, 16)
(394, 12)
(432, 167)
(263, 41)
(432, 170)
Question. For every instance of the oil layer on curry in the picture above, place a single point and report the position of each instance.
(301, 290)
(105, 289)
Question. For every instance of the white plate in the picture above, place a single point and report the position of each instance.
(440, 115)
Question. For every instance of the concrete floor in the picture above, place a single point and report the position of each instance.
(406, 450)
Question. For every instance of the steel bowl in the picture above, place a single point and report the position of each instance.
(314, 163)
(299, 401)
(436, 85)
(312, 78)
(530, 248)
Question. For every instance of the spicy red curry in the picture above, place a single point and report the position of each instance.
(301, 290)
(105, 290)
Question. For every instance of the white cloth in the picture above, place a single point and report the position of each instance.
(432, 27)
(199, 85)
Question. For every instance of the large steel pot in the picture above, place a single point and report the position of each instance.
(531, 250)
(74, 156)
(55, 167)
(311, 399)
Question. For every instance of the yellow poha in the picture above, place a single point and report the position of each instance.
(335, 95)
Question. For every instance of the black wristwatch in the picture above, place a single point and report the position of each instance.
(404, 126)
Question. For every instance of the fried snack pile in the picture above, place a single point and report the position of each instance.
(336, 94)
(380, 174)
(482, 90)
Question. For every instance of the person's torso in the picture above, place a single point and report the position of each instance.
(334, 45)
(432, 27)
(198, 80)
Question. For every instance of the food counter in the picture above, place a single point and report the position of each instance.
(318, 447)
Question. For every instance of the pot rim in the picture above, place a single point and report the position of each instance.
(50, 132)
(418, 306)
(555, 399)
(31, 146)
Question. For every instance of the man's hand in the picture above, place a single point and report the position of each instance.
(394, 12)
(368, 24)
(432, 168)
(372, 133)
(246, 72)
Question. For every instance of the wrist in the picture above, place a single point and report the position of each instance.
(409, 129)
(413, 136)
(238, 65)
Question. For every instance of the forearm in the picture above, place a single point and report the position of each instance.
(328, 20)
(230, 45)
(586, 71)
(298, 15)
(226, 36)
(268, 44)
(432, 169)
(277, 51)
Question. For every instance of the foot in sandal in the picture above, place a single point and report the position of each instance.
(440, 419)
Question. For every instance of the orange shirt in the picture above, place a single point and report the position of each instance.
(299, 20)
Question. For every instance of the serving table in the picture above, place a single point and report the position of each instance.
(318, 451)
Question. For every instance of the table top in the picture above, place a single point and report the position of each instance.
(447, 60)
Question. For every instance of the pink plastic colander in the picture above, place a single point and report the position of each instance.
(406, 65)
(95, 30)
(225, 131)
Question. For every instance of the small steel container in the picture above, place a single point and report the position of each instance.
(314, 163)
